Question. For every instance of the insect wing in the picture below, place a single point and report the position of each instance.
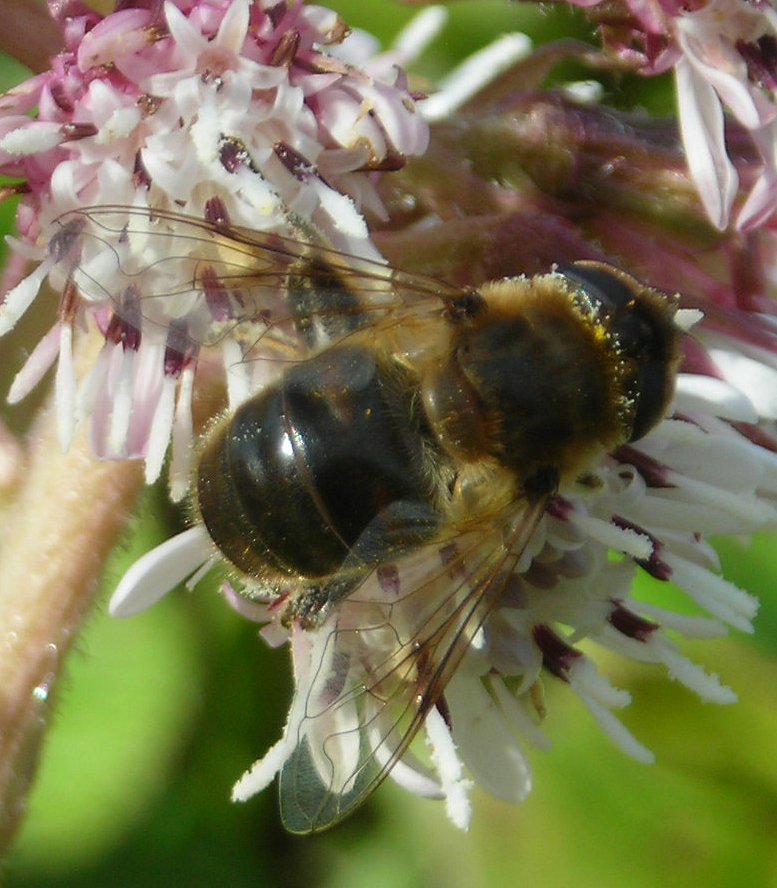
(271, 293)
(383, 659)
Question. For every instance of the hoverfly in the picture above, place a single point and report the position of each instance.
(385, 484)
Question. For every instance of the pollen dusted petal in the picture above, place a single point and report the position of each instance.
(444, 756)
(716, 595)
(21, 297)
(262, 772)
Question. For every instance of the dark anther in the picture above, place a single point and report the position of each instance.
(557, 656)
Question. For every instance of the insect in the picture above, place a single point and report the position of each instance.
(386, 483)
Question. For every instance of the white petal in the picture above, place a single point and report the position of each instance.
(751, 376)
(183, 436)
(707, 686)
(474, 73)
(412, 776)
(617, 731)
(122, 403)
(19, 299)
(485, 741)
(586, 681)
(238, 372)
(517, 715)
(190, 42)
(262, 772)
(448, 764)
(341, 210)
(619, 538)
(161, 426)
(418, 33)
(65, 388)
(716, 595)
(40, 360)
(696, 393)
(37, 137)
(159, 571)
(234, 27)
(701, 125)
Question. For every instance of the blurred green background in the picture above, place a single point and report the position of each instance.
(160, 714)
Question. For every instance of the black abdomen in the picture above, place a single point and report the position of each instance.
(298, 474)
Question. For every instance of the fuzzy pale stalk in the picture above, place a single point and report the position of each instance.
(42, 37)
(66, 518)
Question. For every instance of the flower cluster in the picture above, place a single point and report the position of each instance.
(230, 112)
(164, 132)
(724, 57)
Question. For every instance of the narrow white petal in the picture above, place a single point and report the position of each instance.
(751, 376)
(341, 210)
(122, 405)
(159, 571)
(474, 73)
(19, 299)
(238, 372)
(189, 40)
(65, 388)
(234, 26)
(183, 437)
(690, 627)
(40, 360)
(517, 715)
(161, 426)
(746, 512)
(706, 685)
(716, 595)
(702, 128)
(585, 680)
(696, 393)
(718, 63)
(411, 775)
(419, 32)
(262, 772)
(617, 732)
(485, 741)
(448, 764)
(621, 539)
(34, 138)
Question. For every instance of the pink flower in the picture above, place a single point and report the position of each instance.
(724, 56)
(224, 111)
(164, 132)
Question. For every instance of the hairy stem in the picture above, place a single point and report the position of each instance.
(68, 515)
(29, 33)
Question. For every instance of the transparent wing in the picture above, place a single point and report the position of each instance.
(383, 659)
(211, 281)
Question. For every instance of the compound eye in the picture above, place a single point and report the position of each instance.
(615, 302)
(600, 285)
(643, 333)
